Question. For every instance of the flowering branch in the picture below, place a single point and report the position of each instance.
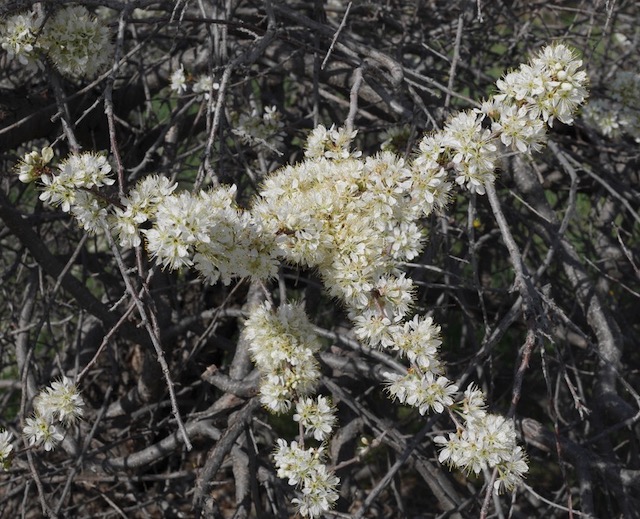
(354, 219)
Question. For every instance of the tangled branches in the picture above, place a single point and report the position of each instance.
(219, 290)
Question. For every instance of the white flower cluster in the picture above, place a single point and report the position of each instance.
(72, 39)
(18, 36)
(551, 87)
(202, 86)
(485, 441)
(423, 390)
(316, 416)
(305, 469)
(264, 129)
(354, 220)
(283, 346)
(70, 186)
(56, 408)
(617, 113)
(333, 143)
(76, 42)
(206, 230)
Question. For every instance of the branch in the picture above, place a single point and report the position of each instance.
(15, 222)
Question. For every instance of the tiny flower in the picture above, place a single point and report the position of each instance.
(33, 165)
(424, 391)
(61, 404)
(486, 441)
(318, 416)
(274, 394)
(86, 170)
(178, 81)
(203, 85)
(473, 150)
(263, 128)
(332, 143)
(90, 213)
(375, 329)
(473, 405)
(511, 471)
(419, 340)
(5, 449)
(58, 190)
(318, 493)
(452, 449)
(18, 36)
(62, 401)
(77, 171)
(40, 432)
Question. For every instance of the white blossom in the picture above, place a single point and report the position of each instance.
(422, 390)
(304, 468)
(6, 448)
(419, 339)
(33, 165)
(78, 171)
(39, 431)
(486, 442)
(90, 212)
(203, 86)
(61, 402)
(473, 150)
(317, 416)
(333, 143)
(178, 81)
(56, 408)
(263, 128)
(18, 36)
(282, 344)
(77, 42)
(352, 219)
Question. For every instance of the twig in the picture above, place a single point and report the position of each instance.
(155, 340)
(63, 110)
(335, 36)
(353, 98)
(488, 493)
(248, 57)
(248, 387)
(564, 161)
(108, 105)
(523, 280)
(105, 341)
(454, 61)
(46, 509)
(158, 451)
